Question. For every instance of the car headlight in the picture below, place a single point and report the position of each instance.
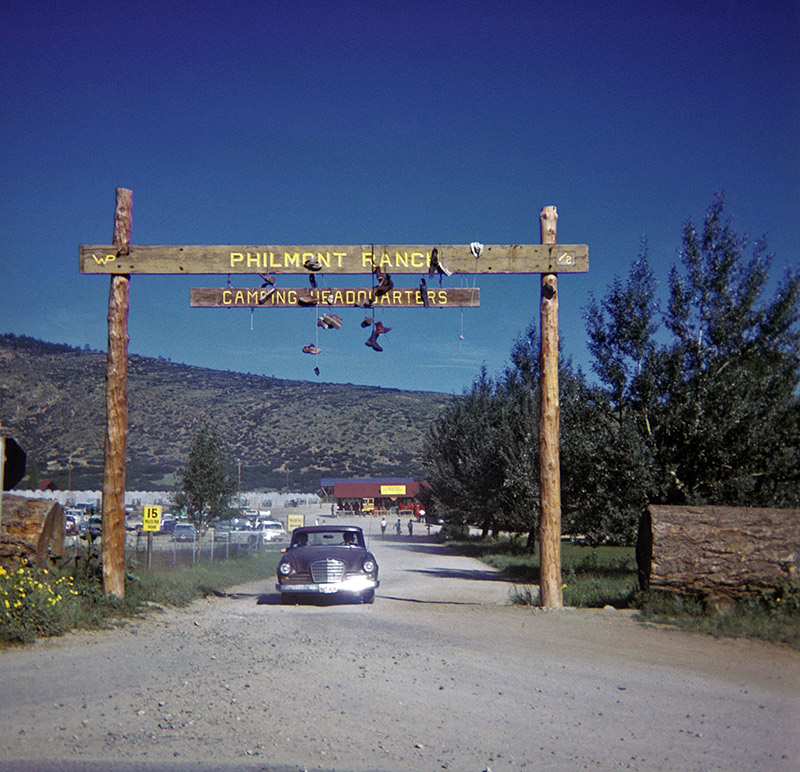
(285, 569)
(368, 566)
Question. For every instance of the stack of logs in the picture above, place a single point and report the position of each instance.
(718, 553)
(31, 532)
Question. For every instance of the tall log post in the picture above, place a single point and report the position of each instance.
(113, 528)
(550, 594)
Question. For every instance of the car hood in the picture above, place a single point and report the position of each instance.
(352, 557)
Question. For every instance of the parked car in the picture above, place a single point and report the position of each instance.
(71, 525)
(184, 532)
(167, 524)
(327, 560)
(272, 530)
(222, 531)
(94, 527)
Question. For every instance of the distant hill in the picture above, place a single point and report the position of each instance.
(52, 401)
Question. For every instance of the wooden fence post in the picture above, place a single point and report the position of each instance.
(550, 594)
(113, 510)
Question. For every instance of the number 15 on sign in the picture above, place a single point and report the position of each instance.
(151, 519)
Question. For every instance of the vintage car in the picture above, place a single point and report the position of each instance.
(184, 532)
(327, 560)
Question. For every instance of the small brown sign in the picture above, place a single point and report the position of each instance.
(331, 297)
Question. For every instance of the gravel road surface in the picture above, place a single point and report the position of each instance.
(440, 673)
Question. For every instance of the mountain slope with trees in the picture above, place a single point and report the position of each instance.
(52, 400)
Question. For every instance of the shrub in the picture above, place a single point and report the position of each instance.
(35, 603)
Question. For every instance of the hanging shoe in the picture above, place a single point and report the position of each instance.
(264, 295)
(312, 264)
(372, 341)
(311, 349)
(367, 321)
(380, 329)
(386, 284)
(312, 280)
(330, 320)
(423, 291)
(434, 264)
(316, 371)
(437, 266)
(306, 298)
(368, 303)
(268, 280)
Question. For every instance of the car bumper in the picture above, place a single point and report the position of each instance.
(355, 585)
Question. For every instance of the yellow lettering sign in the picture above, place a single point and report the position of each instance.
(151, 519)
(393, 490)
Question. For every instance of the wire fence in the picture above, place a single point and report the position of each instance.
(166, 553)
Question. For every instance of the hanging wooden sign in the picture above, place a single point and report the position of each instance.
(415, 259)
(332, 297)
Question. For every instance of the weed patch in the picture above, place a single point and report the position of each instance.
(39, 603)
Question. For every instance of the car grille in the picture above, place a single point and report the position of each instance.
(327, 570)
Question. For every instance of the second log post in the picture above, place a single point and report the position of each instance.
(550, 594)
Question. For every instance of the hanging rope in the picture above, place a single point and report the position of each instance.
(476, 248)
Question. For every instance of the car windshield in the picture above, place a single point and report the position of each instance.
(276, 526)
(327, 539)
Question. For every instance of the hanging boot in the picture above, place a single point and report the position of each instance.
(385, 285)
(423, 291)
(380, 329)
(372, 341)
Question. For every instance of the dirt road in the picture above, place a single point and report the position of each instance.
(438, 674)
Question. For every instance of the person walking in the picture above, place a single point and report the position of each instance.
(397, 527)
(410, 527)
(383, 527)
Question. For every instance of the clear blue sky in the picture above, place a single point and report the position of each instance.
(367, 122)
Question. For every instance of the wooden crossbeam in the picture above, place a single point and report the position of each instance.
(398, 258)
(333, 297)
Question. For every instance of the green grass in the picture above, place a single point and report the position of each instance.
(770, 616)
(594, 577)
(37, 604)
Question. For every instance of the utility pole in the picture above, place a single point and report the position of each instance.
(113, 507)
(550, 593)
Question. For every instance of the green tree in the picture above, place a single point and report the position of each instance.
(207, 482)
(709, 414)
(615, 452)
(462, 458)
(728, 380)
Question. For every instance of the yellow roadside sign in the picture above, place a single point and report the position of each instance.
(151, 519)
(294, 521)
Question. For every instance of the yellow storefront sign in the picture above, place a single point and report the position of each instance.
(393, 490)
